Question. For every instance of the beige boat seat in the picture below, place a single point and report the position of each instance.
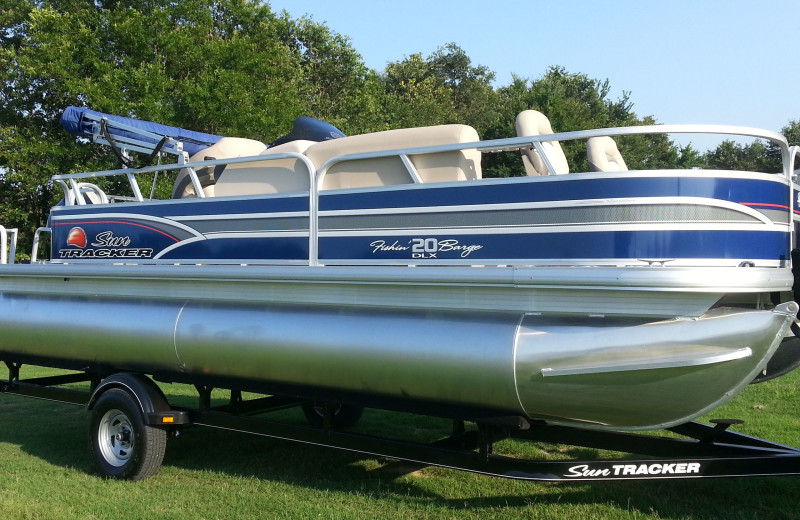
(225, 148)
(533, 123)
(457, 165)
(604, 156)
(266, 177)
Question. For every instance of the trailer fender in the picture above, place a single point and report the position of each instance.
(153, 404)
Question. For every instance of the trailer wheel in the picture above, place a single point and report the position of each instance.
(123, 446)
(342, 415)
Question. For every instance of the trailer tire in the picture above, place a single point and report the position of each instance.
(123, 446)
(342, 416)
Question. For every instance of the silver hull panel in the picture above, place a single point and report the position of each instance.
(579, 290)
(603, 370)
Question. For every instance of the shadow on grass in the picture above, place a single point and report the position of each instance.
(57, 434)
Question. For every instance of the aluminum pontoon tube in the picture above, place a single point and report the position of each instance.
(623, 373)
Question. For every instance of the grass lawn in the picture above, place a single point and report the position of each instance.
(47, 472)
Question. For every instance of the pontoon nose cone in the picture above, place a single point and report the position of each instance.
(620, 374)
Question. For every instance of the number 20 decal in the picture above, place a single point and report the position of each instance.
(424, 245)
(429, 247)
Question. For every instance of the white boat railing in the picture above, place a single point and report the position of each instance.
(37, 236)
(793, 169)
(8, 249)
(794, 164)
(495, 145)
(75, 189)
(519, 143)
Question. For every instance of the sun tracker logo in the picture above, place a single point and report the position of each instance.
(638, 470)
(76, 237)
(105, 245)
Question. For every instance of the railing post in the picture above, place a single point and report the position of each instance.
(794, 153)
(35, 249)
(8, 250)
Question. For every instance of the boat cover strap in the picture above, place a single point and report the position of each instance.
(126, 161)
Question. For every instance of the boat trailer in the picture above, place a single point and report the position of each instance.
(697, 451)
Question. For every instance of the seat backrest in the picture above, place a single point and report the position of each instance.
(265, 177)
(604, 156)
(532, 123)
(225, 148)
(381, 171)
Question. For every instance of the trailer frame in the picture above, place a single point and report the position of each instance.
(702, 451)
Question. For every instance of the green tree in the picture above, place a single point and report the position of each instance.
(413, 96)
(792, 134)
(577, 102)
(690, 158)
(474, 100)
(755, 157)
(211, 66)
(443, 88)
(337, 87)
(233, 67)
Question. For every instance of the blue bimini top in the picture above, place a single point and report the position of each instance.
(78, 122)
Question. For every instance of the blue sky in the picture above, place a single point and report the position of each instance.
(715, 61)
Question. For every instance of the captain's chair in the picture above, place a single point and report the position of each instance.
(531, 123)
(604, 156)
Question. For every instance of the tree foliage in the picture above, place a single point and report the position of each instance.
(730, 155)
(755, 156)
(223, 67)
(336, 85)
(234, 67)
(443, 88)
(577, 102)
(792, 132)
